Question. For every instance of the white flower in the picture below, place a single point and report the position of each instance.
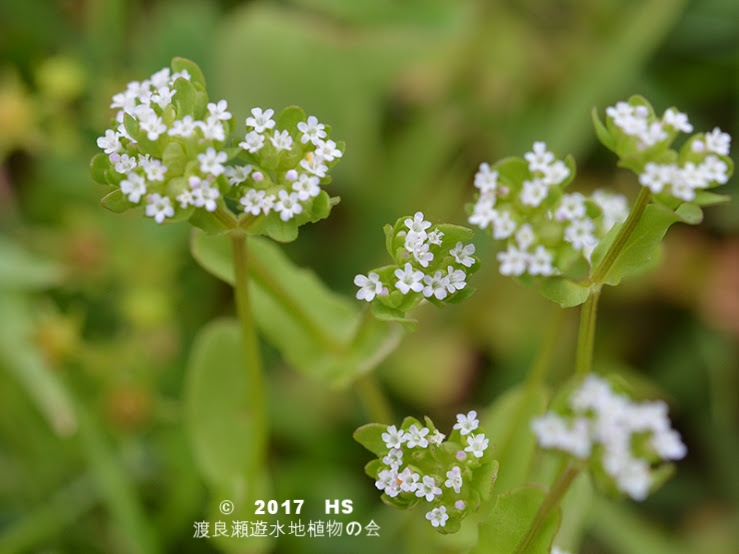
(483, 213)
(159, 207)
(260, 120)
(212, 129)
(328, 150)
(503, 225)
(185, 198)
(153, 126)
(714, 170)
(253, 142)
(288, 205)
(454, 479)
(656, 176)
(282, 141)
(580, 234)
(154, 169)
(540, 262)
(477, 444)
(558, 550)
(417, 437)
(307, 186)
(160, 78)
(677, 120)
(369, 286)
(434, 237)
(110, 143)
(436, 285)
(614, 206)
(457, 279)
(184, 127)
(438, 516)
(387, 480)
(237, 174)
(163, 97)
(252, 201)
(571, 207)
(125, 164)
(418, 224)
(486, 180)
(534, 192)
(420, 251)
(394, 438)
(512, 261)
(668, 445)
(556, 173)
(313, 163)
(312, 130)
(205, 196)
(268, 202)
(539, 158)
(653, 134)
(525, 236)
(717, 142)
(219, 111)
(134, 186)
(427, 488)
(212, 162)
(467, 423)
(408, 480)
(437, 438)
(463, 254)
(394, 458)
(408, 279)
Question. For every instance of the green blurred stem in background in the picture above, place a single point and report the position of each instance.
(255, 377)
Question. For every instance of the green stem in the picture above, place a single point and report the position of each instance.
(374, 400)
(255, 380)
(601, 272)
(586, 334)
(559, 488)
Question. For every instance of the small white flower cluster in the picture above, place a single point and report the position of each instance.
(518, 212)
(297, 184)
(700, 166)
(429, 268)
(409, 451)
(625, 437)
(179, 162)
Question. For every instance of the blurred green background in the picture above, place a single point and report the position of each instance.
(98, 311)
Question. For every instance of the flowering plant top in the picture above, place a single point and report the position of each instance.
(169, 149)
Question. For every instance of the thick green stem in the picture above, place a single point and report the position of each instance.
(254, 375)
(586, 334)
(637, 210)
(559, 488)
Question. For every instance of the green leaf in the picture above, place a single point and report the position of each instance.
(99, 166)
(208, 222)
(217, 416)
(602, 132)
(640, 253)
(370, 436)
(116, 202)
(564, 292)
(279, 230)
(508, 424)
(184, 97)
(705, 198)
(511, 516)
(689, 213)
(288, 120)
(386, 313)
(196, 75)
(174, 158)
(218, 422)
(320, 333)
(483, 479)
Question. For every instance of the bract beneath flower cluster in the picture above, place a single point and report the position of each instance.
(168, 150)
(417, 466)
(622, 439)
(432, 262)
(546, 232)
